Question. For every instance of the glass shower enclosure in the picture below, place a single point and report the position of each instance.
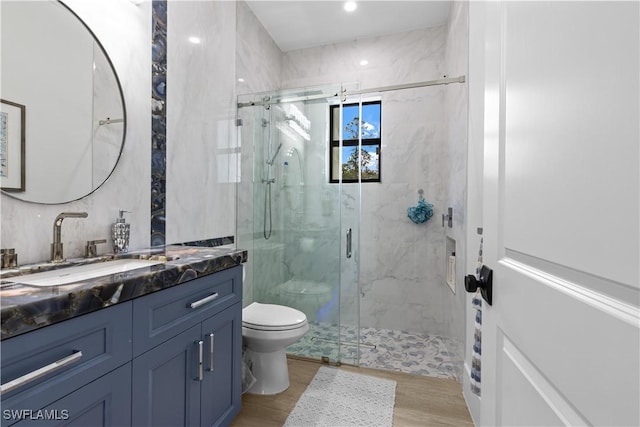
(301, 230)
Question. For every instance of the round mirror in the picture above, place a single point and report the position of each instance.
(62, 117)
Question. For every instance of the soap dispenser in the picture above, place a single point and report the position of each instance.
(120, 234)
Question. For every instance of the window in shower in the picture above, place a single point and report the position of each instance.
(360, 160)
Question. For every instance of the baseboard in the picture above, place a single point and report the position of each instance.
(472, 400)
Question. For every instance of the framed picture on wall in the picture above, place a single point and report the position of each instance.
(12, 142)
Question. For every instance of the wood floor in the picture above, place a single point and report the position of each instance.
(420, 401)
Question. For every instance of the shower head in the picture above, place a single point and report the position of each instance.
(273, 158)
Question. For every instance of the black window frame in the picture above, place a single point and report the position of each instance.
(353, 142)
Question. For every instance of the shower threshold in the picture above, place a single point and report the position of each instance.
(348, 343)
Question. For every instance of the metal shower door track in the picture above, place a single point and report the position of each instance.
(344, 93)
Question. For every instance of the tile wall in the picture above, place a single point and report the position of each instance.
(401, 264)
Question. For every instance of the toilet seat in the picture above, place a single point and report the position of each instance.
(272, 317)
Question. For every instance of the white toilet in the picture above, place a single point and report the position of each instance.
(267, 330)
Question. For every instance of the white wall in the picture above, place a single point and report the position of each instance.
(475, 153)
(258, 59)
(202, 153)
(124, 30)
(456, 103)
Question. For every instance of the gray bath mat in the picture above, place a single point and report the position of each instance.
(337, 398)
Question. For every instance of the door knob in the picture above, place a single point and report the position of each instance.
(485, 283)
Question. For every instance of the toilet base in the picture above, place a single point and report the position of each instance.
(270, 370)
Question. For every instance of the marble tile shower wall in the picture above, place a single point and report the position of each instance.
(401, 264)
(124, 30)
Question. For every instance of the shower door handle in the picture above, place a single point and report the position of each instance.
(349, 243)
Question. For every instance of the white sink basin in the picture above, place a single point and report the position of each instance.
(78, 273)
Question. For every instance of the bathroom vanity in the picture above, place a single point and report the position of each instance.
(155, 345)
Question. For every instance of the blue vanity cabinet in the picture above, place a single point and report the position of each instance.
(187, 369)
(168, 358)
(105, 402)
(162, 315)
(221, 387)
(165, 389)
(63, 358)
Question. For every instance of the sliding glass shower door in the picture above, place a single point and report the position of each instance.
(301, 229)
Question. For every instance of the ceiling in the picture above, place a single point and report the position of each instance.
(306, 23)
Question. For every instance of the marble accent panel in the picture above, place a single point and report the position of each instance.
(210, 243)
(24, 308)
(158, 122)
(123, 29)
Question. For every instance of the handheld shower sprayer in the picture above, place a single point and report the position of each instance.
(267, 198)
(273, 158)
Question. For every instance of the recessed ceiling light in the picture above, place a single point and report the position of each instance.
(194, 40)
(364, 62)
(350, 6)
(240, 79)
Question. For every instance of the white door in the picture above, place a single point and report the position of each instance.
(561, 214)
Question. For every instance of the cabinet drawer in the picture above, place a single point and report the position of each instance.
(91, 345)
(105, 402)
(159, 316)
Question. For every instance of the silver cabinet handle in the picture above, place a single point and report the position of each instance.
(200, 360)
(203, 301)
(39, 373)
(211, 336)
(349, 243)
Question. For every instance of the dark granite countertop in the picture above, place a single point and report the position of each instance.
(26, 307)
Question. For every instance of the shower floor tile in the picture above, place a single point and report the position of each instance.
(412, 353)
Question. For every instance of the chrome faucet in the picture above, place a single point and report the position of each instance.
(56, 246)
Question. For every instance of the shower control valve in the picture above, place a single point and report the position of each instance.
(448, 217)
